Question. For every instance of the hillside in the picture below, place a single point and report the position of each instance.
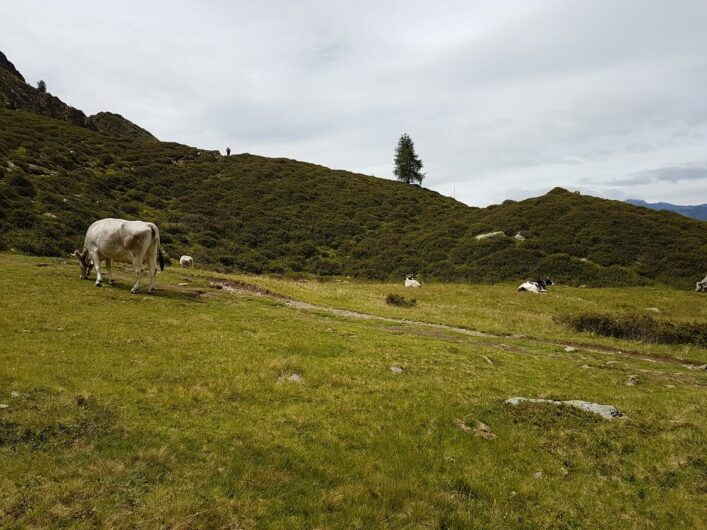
(698, 211)
(259, 214)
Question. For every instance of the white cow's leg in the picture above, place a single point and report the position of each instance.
(109, 263)
(97, 265)
(152, 261)
(137, 264)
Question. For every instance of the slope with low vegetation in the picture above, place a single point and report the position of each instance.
(259, 214)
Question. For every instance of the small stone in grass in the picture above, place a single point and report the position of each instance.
(537, 475)
(4, 406)
(396, 369)
(482, 430)
(585, 366)
(14, 394)
(632, 380)
(654, 309)
(487, 359)
(294, 378)
(569, 349)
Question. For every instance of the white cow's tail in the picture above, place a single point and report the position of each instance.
(156, 237)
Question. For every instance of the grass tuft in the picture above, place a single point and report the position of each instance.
(635, 326)
(400, 300)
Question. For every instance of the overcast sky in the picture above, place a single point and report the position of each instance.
(502, 99)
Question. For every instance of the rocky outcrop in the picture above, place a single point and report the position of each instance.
(116, 125)
(16, 94)
(7, 65)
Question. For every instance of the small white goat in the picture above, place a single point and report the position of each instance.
(411, 282)
(186, 262)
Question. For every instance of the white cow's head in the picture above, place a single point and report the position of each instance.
(85, 264)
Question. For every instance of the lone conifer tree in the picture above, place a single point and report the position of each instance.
(407, 164)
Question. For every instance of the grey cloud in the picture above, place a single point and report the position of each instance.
(670, 174)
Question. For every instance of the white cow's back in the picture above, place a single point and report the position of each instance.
(119, 239)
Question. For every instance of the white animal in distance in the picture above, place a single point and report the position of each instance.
(186, 261)
(530, 287)
(411, 282)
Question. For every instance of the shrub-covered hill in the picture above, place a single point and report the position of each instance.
(276, 215)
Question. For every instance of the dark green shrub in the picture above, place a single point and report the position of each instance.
(22, 185)
(639, 327)
(399, 300)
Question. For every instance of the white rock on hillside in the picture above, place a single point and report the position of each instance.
(489, 234)
(608, 412)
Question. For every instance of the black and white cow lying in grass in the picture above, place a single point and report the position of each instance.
(411, 282)
(701, 287)
(133, 242)
(537, 286)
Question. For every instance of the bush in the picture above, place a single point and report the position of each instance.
(635, 326)
(401, 301)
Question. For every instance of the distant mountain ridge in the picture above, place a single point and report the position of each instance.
(275, 215)
(698, 211)
(17, 94)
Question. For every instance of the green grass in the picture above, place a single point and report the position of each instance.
(140, 411)
(500, 309)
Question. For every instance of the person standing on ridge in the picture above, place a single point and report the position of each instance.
(228, 151)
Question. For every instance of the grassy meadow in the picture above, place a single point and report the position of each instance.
(177, 410)
(500, 309)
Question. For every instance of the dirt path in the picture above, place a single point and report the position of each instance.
(239, 287)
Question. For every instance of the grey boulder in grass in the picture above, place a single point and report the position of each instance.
(608, 412)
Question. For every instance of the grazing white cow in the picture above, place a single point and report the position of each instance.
(411, 282)
(186, 261)
(133, 242)
(701, 287)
